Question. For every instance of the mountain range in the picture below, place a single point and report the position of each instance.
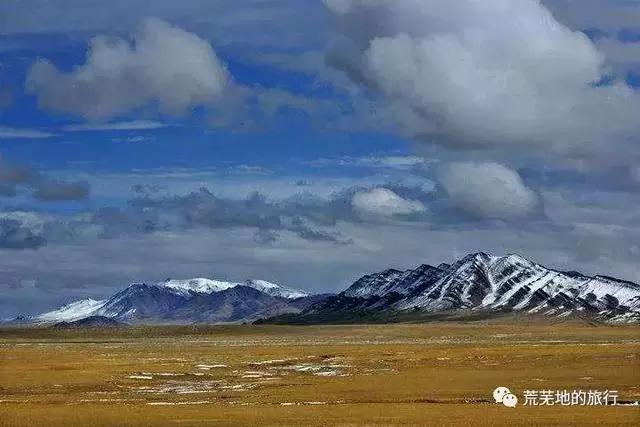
(185, 302)
(477, 286)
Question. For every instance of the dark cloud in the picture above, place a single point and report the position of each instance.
(55, 190)
(14, 234)
(116, 222)
(13, 174)
(44, 188)
(308, 216)
(204, 209)
(265, 237)
(306, 232)
(146, 190)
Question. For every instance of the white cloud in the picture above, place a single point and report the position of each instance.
(390, 162)
(485, 73)
(134, 139)
(393, 162)
(11, 133)
(384, 202)
(130, 125)
(488, 190)
(163, 64)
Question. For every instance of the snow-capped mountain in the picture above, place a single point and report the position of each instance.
(201, 285)
(187, 301)
(481, 282)
(70, 312)
(275, 290)
(198, 285)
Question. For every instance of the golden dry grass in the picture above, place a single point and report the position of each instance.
(432, 374)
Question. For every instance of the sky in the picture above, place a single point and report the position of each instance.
(309, 142)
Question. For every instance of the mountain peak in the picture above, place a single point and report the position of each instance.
(479, 257)
(197, 285)
(275, 289)
(516, 258)
(483, 282)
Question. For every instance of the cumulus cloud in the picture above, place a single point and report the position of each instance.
(384, 202)
(490, 73)
(162, 64)
(488, 190)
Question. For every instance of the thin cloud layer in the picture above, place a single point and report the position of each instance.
(18, 133)
(118, 126)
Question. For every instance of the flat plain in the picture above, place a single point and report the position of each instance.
(403, 374)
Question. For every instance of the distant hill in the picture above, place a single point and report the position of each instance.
(477, 286)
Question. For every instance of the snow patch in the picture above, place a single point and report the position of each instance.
(75, 311)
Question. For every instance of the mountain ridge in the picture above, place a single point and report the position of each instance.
(477, 283)
(198, 300)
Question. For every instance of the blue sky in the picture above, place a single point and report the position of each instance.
(311, 142)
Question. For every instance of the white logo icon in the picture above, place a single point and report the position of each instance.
(503, 395)
(499, 393)
(510, 400)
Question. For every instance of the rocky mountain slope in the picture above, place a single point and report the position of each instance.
(480, 283)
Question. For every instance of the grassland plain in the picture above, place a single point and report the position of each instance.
(401, 374)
